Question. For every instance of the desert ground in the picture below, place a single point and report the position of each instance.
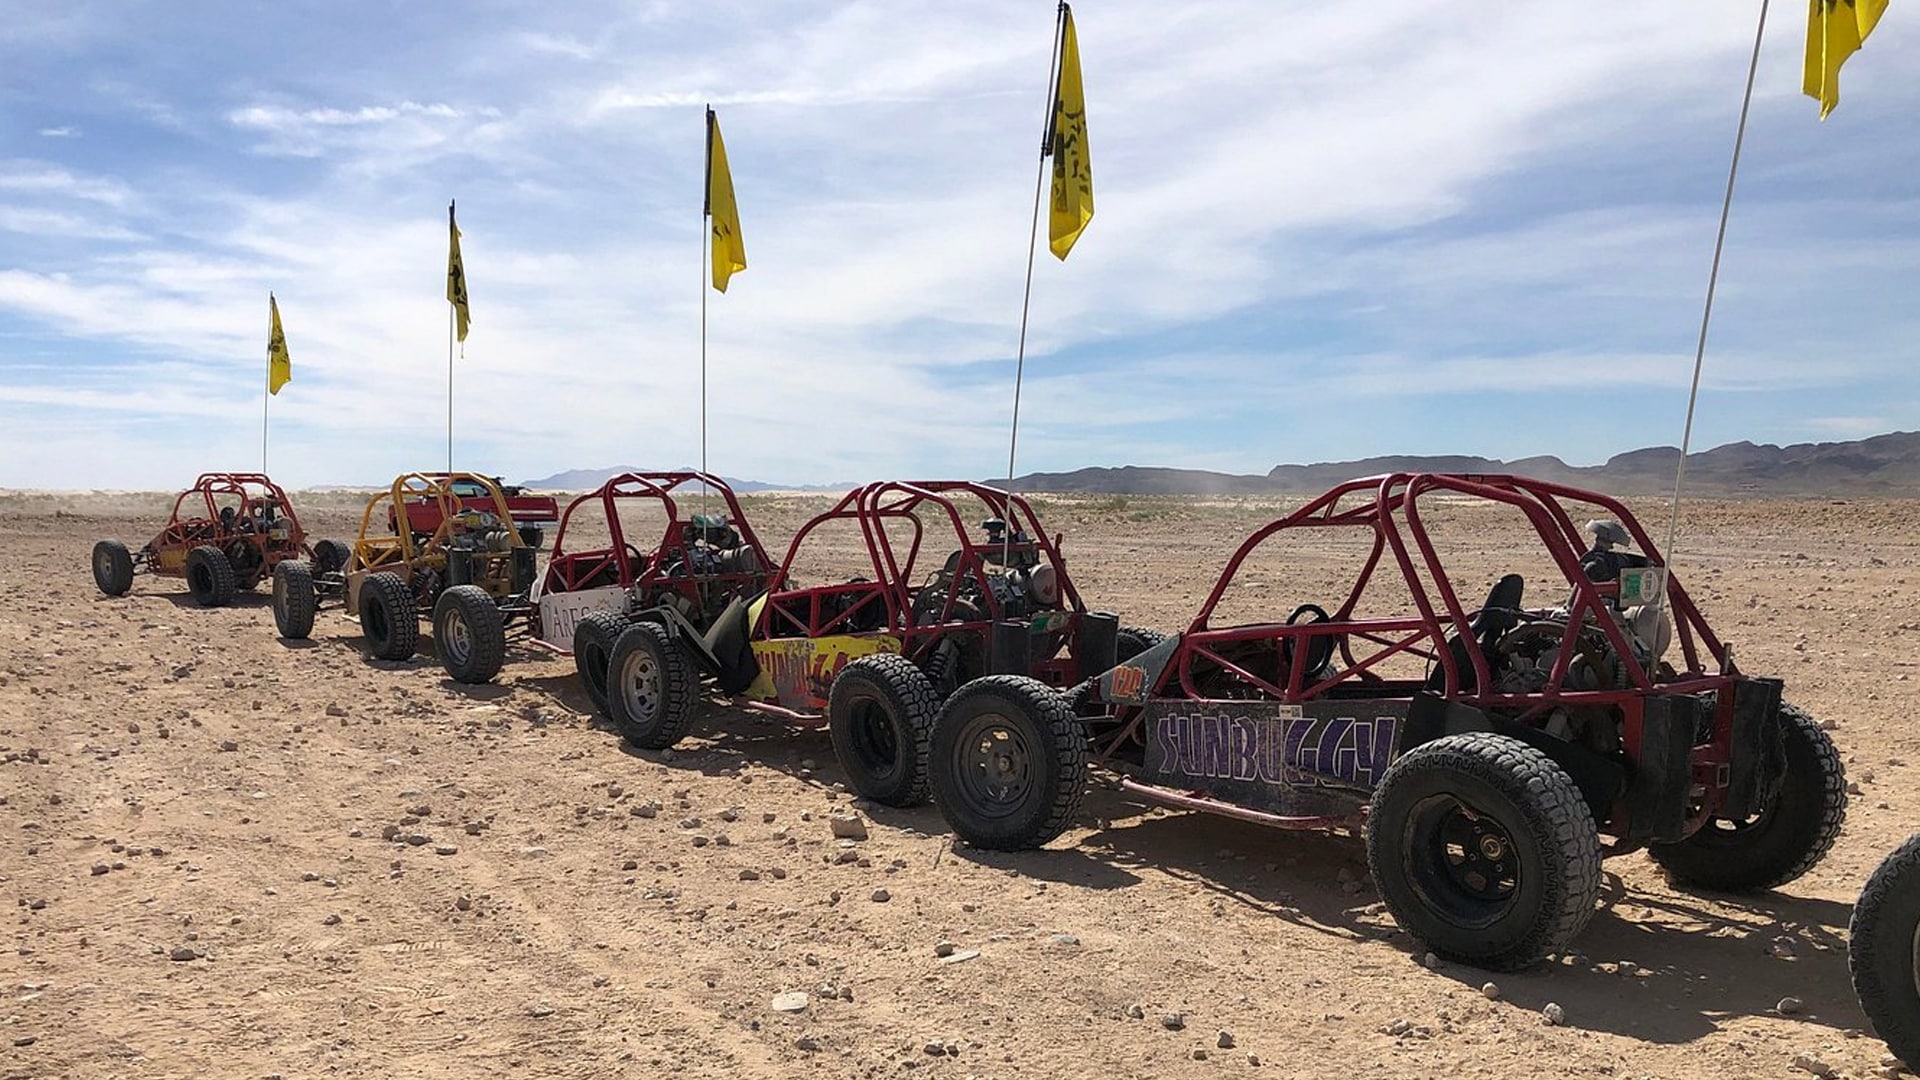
(228, 855)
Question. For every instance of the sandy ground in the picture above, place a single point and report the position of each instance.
(195, 870)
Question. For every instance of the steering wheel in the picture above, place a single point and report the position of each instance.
(1319, 648)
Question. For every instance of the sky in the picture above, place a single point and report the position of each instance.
(1322, 232)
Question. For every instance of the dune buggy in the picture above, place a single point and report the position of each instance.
(1486, 749)
(931, 604)
(226, 534)
(471, 576)
(531, 514)
(597, 584)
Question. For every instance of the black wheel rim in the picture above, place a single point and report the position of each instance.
(375, 621)
(1464, 863)
(875, 745)
(995, 766)
(200, 579)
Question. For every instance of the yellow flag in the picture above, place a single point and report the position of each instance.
(279, 364)
(729, 251)
(1072, 168)
(1835, 30)
(456, 278)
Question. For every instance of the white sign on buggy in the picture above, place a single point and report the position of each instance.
(561, 612)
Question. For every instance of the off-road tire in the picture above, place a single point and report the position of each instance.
(1883, 946)
(531, 535)
(388, 618)
(112, 567)
(650, 687)
(1131, 641)
(1446, 888)
(1787, 838)
(469, 634)
(330, 556)
(880, 712)
(294, 600)
(1025, 728)
(593, 639)
(210, 577)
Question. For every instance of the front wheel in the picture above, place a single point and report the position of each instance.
(469, 634)
(1883, 950)
(593, 640)
(294, 599)
(1009, 763)
(1786, 838)
(880, 712)
(330, 556)
(1483, 848)
(210, 577)
(112, 567)
(650, 687)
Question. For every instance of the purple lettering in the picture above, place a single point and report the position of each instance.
(1245, 737)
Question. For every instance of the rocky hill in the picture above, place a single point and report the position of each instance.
(1881, 465)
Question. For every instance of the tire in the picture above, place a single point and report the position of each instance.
(1131, 641)
(1883, 950)
(469, 634)
(210, 577)
(1483, 848)
(1009, 763)
(880, 712)
(294, 599)
(330, 556)
(112, 567)
(388, 618)
(593, 640)
(532, 536)
(650, 687)
(1787, 838)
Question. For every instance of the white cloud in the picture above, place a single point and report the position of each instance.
(62, 132)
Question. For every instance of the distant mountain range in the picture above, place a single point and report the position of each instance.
(588, 479)
(1881, 465)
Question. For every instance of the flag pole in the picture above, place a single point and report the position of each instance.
(1033, 232)
(266, 391)
(452, 314)
(706, 232)
(1706, 314)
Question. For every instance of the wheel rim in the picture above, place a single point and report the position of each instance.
(103, 566)
(200, 579)
(995, 765)
(375, 621)
(1464, 863)
(876, 746)
(459, 638)
(1915, 958)
(640, 685)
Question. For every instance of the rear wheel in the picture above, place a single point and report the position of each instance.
(294, 600)
(112, 567)
(1131, 641)
(1883, 950)
(388, 618)
(330, 556)
(210, 577)
(1009, 763)
(1786, 838)
(650, 687)
(881, 712)
(532, 536)
(469, 634)
(1483, 848)
(593, 640)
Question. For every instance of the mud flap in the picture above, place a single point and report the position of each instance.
(1759, 758)
(726, 641)
(1663, 771)
(1008, 649)
(683, 633)
(1097, 648)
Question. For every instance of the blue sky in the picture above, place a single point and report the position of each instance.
(1322, 233)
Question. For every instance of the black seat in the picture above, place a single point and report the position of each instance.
(1498, 615)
